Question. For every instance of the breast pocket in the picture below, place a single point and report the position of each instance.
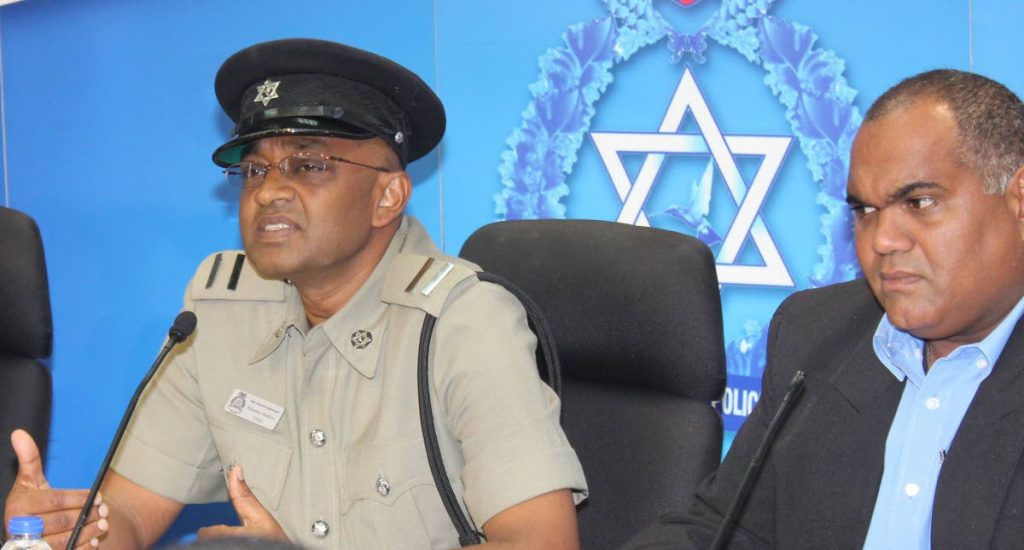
(264, 463)
(391, 500)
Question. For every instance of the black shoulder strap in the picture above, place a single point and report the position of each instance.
(468, 534)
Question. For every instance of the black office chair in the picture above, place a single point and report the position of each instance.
(26, 335)
(636, 315)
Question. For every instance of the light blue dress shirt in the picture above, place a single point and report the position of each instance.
(930, 411)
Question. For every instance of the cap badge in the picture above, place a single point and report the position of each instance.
(266, 92)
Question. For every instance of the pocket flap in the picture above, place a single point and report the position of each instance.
(383, 472)
(265, 464)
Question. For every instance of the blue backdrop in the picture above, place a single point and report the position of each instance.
(726, 120)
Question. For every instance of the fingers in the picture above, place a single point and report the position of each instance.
(30, 464)
(59, 508)
(64, 521)
(256, 520)
(219, 532)
(246, 505)
(93, 530)
(89, 544)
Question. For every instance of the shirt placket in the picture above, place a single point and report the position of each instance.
(921, 458)
(317, 442)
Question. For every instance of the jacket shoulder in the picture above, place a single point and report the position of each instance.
(228, 275)
(814, 329)
(833, 301)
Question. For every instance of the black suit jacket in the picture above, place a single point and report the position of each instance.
(819, 482)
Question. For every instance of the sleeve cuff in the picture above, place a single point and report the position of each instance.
(154, 470)
(492, 491)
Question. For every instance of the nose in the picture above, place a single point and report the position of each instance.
(275, 187)
(889, 234)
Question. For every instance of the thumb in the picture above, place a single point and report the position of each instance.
(30, 464)
(249, 509)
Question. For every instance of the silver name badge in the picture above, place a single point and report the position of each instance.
(254, 409)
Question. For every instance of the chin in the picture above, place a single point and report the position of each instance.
(922, 328)
(269, 268)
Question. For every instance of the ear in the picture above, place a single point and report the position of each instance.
(392, 194)
(1014, 197)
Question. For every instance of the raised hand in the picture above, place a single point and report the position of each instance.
(257, 522)
(32, 495)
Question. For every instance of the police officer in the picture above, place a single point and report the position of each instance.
(296, 396)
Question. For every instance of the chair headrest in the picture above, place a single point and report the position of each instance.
(627, 305)
(26, 324)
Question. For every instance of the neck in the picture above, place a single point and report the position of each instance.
(327, 293)
(939, 348)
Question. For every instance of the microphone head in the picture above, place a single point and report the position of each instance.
(183, 326)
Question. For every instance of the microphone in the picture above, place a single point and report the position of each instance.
(788, 400)
(182, 326)
(180, 330)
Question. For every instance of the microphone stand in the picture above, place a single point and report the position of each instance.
(182, 328)
(725, 531)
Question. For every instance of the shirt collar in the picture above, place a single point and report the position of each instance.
(294, 316)
(358, 330)
(903, 354)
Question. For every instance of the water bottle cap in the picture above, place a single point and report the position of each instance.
(25, 525)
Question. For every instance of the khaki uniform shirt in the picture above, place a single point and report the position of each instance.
(325, 421)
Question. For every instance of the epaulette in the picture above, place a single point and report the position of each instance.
(423, 282)
(228, 276)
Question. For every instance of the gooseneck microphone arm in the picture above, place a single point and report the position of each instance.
(725, 530)
(181, 329)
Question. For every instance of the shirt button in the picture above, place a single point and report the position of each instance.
(320, 528)
(982, 363)
(383, 487)
(912, 489)
(317, 438)
(932, 403)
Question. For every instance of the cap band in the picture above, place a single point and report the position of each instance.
(315, 111)
(309, 115)
(306, 99)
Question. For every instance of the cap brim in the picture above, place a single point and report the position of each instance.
(231, 152)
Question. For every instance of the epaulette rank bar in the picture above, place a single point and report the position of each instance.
(435, 280)
(236, 270)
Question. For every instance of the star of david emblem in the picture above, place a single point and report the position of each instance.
(361, 339)
(266, 91)
(668, 140)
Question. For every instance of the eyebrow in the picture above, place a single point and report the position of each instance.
(897, 195)
(908, 189)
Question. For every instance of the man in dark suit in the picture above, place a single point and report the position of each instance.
(910, 429)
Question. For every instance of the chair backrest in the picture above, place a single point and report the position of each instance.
(26, 336)
(636, 315)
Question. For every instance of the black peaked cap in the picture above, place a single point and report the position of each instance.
(301, 86)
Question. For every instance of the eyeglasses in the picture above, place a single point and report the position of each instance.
(308, 168)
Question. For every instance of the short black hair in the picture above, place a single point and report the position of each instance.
(989, 118)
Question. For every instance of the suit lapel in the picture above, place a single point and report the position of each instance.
(874, 393)
(983, 456)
